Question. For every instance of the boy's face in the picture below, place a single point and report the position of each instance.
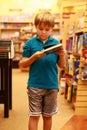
(43, 31)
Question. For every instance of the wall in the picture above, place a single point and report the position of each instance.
(25, 6)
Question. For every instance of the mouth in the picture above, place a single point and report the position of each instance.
(44, 36)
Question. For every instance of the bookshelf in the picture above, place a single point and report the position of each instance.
(57, 31)
(81, 99)
(18, 32)
(75, 43)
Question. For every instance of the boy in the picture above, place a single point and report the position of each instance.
(43, 75)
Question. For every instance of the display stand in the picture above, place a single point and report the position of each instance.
(6, 85)
(6, 55)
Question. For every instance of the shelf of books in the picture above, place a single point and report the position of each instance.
(76, 46)
(73, 47)
(17, 28)
(81, 99)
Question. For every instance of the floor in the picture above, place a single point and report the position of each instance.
(76, 122)
(18, 116)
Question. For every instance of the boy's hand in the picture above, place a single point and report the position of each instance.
(60, 52)
(39, 54)
(25, 62)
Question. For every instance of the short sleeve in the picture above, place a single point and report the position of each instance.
(26, 50)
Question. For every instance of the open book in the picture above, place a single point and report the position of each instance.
(52, 48)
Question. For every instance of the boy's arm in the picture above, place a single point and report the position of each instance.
(25, 62)
(62, 59)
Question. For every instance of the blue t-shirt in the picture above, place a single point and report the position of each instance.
(44, 71)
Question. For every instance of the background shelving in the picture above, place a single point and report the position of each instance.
(12, 30)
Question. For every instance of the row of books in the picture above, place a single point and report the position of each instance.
(75, 43)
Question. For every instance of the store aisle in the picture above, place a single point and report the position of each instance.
(18, 116)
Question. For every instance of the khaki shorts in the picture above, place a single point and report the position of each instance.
(42, 101)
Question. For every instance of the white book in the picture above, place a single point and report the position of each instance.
(53, 48)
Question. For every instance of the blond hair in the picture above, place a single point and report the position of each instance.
(44, 17)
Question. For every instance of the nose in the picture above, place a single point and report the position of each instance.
(44, 31)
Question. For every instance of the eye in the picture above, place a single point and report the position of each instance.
(47, 29)
(41, 29)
